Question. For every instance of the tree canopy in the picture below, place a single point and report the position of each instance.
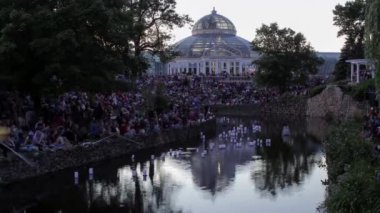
(64, 44)
(150, 29)
(350, 18)
(286, 57)
(372, 34)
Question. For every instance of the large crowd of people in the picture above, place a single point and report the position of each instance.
(157, 104)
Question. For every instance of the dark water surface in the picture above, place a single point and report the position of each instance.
(283, 176)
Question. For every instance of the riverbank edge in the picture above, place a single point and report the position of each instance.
(286, 106)
(352, 165)
(49, 162)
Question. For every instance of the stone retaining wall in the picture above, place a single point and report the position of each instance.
(283, 107)
(47, 162)
(333, 103)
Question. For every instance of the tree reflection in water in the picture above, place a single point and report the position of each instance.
(285, 164)
(136, 194)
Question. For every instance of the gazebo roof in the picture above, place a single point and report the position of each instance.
(361, 61)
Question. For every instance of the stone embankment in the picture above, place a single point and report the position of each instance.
(48, 161)
(333, 104)
(283, 107)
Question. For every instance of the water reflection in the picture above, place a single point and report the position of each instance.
(191, 182)
(217, 170)
(287, 164)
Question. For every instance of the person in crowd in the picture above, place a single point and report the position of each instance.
(76, 116)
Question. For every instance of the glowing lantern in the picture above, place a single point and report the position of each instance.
(4, 133)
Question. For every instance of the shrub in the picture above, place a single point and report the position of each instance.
(344, 145)
(351, 168)
(359, 91)
(357, 191)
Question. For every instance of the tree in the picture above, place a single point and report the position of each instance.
(46, 45)
(372, 34)
(350, 19)
(286, 57)
(150, 29)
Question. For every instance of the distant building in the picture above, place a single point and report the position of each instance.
(330, 60)
(213, 49)
(156, 67)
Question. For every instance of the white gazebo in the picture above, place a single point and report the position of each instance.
(361, 69)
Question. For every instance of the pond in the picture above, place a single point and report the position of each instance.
(281, 174)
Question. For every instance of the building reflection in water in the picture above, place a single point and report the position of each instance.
(285, 164)
(284, 167)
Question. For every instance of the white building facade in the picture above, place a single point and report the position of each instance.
(213, 49)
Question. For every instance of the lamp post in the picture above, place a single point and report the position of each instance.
(4, 133)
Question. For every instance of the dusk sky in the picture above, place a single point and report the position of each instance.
(313, 18)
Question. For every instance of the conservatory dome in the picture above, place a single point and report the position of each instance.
(213, 48)
(214, 24)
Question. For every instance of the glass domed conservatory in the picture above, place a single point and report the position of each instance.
(213, 49)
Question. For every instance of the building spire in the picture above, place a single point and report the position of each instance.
(213, 10)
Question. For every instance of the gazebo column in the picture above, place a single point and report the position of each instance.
(373, 69)
(352, 73)
(357, 73)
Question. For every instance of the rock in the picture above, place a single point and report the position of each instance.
(333, 103)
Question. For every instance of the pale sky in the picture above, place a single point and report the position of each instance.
(313, 18)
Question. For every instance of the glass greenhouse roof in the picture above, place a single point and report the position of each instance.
(214, 36)
(214, 24)
(214, 46)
